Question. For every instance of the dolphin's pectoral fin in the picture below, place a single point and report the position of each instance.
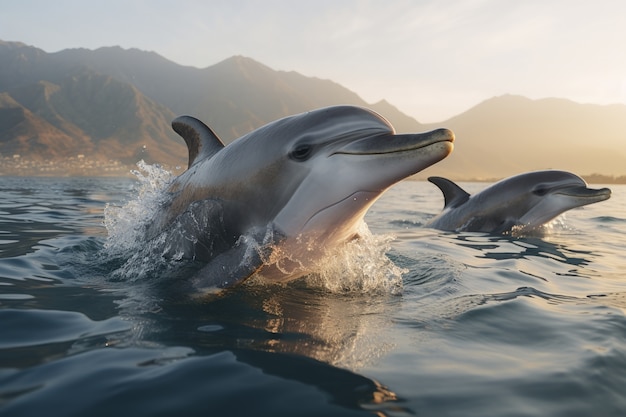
(201, 141)
(453, 195)
(237, 264)
(227, 270)
(505, 227)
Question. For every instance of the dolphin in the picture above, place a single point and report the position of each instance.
(275, 201)
(519, 203)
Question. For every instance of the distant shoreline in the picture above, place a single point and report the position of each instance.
(88, 168)
(590, 179)
(72, 167)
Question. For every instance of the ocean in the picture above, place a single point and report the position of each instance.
(408, 321)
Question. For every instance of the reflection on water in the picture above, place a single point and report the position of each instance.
(345, 330)
(498, 247)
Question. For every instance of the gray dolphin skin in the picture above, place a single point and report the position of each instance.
(276, 200)
(520, 203)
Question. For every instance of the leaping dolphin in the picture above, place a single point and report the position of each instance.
(521, 203)
(277, 199)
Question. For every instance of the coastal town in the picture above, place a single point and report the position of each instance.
(78, 165)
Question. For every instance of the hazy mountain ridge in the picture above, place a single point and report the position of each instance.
(509, 134)
(234, 96)
(113, 104)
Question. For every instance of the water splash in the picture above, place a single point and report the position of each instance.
(125, 224)
(361, 265)
(554, 226)
(126, 246)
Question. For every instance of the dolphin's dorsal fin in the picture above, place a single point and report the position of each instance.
(453, 195)
(201, 141)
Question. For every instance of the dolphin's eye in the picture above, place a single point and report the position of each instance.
(540, 190)
(302, 152)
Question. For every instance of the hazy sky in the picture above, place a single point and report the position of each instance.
(431, 58)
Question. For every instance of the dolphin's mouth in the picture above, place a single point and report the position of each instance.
(360, 199)
(585, 193)
(390, 143)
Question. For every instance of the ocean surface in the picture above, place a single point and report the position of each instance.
(407, 322)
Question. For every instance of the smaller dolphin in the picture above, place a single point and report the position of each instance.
(520, 203)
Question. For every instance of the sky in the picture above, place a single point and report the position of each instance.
(433, 59)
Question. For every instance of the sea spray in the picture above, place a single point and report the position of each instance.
(125, 224)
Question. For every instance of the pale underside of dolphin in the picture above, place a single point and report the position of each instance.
(278, 199)
(519, 203)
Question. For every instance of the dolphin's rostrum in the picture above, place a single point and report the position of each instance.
(278, 199)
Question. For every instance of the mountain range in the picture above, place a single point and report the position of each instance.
(113, 106)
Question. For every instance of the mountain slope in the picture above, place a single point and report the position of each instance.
(89, 114)
(509, 134)
(26, 134)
